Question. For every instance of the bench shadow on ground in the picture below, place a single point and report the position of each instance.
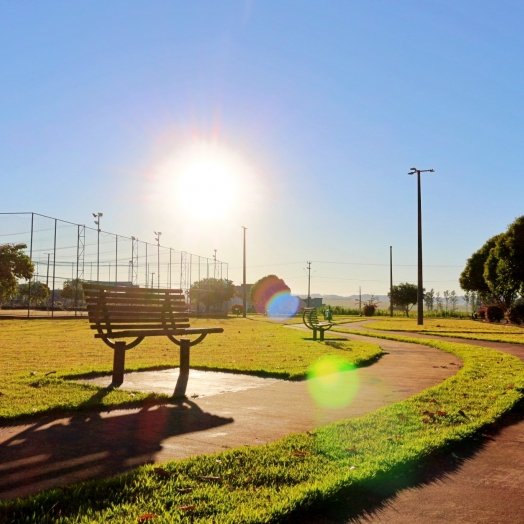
(61, 449)
(364, 503)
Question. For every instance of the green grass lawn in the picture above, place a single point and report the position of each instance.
(463, 328)
(269, 483)
(39, 356)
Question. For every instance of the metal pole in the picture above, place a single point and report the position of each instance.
(244, 285)
(98, 253)
(54, 267)
(30, 258)
(420, 303)
(420, 293)
(147, 268)
(308, 283)
(116, 261)
(77, 257)
(391, 280)
(360, 300)
(47, 277)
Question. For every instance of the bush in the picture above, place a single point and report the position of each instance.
(368, 310)
(515, 313)
(494, 314)
(237, 309)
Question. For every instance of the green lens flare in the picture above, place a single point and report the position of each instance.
(332, 382)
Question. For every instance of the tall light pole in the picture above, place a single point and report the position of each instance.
(391, 280)
(97, 222)
(47, 277)
(420, 293)
(157, 238)
(244, 300)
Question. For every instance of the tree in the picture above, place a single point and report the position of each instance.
(404, 296)
(211, 292)
(73, 291)
(472, 277)
(453, 300)
(429, 299)
(14, 264)
(39, 292)
(263, 290)
(438, 300)
(501, 282)
(467, 298)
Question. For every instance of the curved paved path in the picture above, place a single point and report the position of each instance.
(57, 450)
(485, 485)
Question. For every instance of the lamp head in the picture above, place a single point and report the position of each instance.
(94, 214)
(100, 214)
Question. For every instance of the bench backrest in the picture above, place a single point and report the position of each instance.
(120, 308)
(310, 317)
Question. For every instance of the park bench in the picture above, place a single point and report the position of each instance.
(121, 312)
(310, 319)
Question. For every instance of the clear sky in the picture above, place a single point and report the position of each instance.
(296, 119)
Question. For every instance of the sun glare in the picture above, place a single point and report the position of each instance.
(206, 180)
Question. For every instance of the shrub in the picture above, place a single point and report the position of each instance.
(515, 313)
(369, 310)
(494, 314)
(237, 309)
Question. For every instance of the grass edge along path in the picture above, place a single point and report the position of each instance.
(272, 482)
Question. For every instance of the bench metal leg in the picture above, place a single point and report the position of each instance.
(119, 360)
(181, 383)
(314, 333)
(321, 335)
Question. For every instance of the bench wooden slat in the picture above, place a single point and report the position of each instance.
(119, 326)
(159, 332)
(122, 297)
(129, 289)
(101, 317)
(116, 310)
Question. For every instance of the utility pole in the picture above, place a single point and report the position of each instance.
(157, 238)
(420, 293)
(360, 300)
(97, 222)
(152, 279)
(391, 280)
(308, 283)
(244, 298)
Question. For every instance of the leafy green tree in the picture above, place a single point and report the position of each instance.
(73, 292)
(502, 283)
(263, 290)
(404, 296)
(14, 264)
(211, 292)
(39, 292)
(472, 277)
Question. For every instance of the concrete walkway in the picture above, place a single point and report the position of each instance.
(482, 485)
(53, 451)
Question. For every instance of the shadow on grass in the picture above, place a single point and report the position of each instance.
(365, 502)
(54, 451)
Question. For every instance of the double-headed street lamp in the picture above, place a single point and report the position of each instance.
(420, 293)
(97, 222)
(157, 238)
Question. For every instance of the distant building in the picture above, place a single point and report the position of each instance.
(313, 302)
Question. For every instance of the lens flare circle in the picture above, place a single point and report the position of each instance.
(283, 305)
(333, 382)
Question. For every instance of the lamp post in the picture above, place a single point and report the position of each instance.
(97, 222)
(47, 277)
(420, 293)
(244, 301)
(157, 238)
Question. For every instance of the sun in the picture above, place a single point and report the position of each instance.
(206, 180)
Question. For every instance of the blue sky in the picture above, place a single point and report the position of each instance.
(318, 109)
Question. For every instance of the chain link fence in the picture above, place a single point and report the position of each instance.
(66, 254)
